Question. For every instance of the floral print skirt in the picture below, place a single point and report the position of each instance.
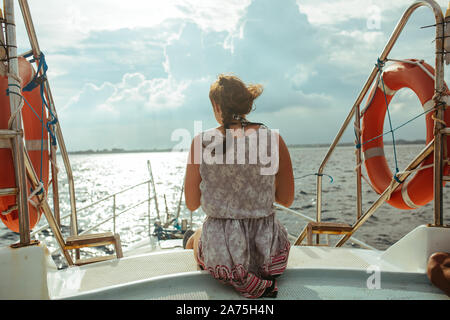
(247, 254)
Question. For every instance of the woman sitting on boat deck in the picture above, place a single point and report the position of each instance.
(230, 174)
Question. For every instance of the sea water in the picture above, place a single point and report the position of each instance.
(98, 175)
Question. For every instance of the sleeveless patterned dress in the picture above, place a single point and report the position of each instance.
(242, 242)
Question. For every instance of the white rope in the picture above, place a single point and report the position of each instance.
(55, 165)
(16, 112)
(416, 170)
(8, 211)
(17, 78)
(390, 187)
(439, 120)
(367, 181)
(36, 191)
(358, 166)
(30, 200)
(40, 186)
(408, 172)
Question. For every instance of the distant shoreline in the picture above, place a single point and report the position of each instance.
(314, 145)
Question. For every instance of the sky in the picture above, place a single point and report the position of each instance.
(128, 74)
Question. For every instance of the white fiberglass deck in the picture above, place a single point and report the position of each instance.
(295, 284)
(313, 273)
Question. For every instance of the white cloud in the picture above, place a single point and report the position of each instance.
(139, 63)
(153, 94)
(300, 74)
(68, 22)
(371, 38)
(330, 12)
(134, 94)
(215, 15)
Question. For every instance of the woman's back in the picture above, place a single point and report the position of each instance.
(236, 181)
(240, 183)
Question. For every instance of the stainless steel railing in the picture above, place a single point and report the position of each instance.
(148, 199)
(114, 208)
(355, 112)
(305, 217)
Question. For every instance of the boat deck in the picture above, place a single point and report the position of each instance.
(169, 263)
(295, 284)
(312, 273)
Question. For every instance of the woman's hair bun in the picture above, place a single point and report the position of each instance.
(255, 90)
(233, 96)
(222, 80)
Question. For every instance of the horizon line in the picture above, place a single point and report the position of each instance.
(304, 145)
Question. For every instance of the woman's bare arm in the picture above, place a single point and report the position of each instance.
(192, 183)
(284, 179)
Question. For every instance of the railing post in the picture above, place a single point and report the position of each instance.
(47, 211)
(58, 132)
(148, 209)
(181, 198)
(167, 213)
(17, 142)
(319, 203)
(358, 164)
(55, 188)
(440, 89)
(114, 214)
(154, 188)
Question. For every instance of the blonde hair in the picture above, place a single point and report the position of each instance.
(234, 97)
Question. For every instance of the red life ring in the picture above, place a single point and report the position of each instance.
(418, 190)
(32, 128)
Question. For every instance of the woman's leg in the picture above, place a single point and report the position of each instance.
(439, 271)
(193, 241)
